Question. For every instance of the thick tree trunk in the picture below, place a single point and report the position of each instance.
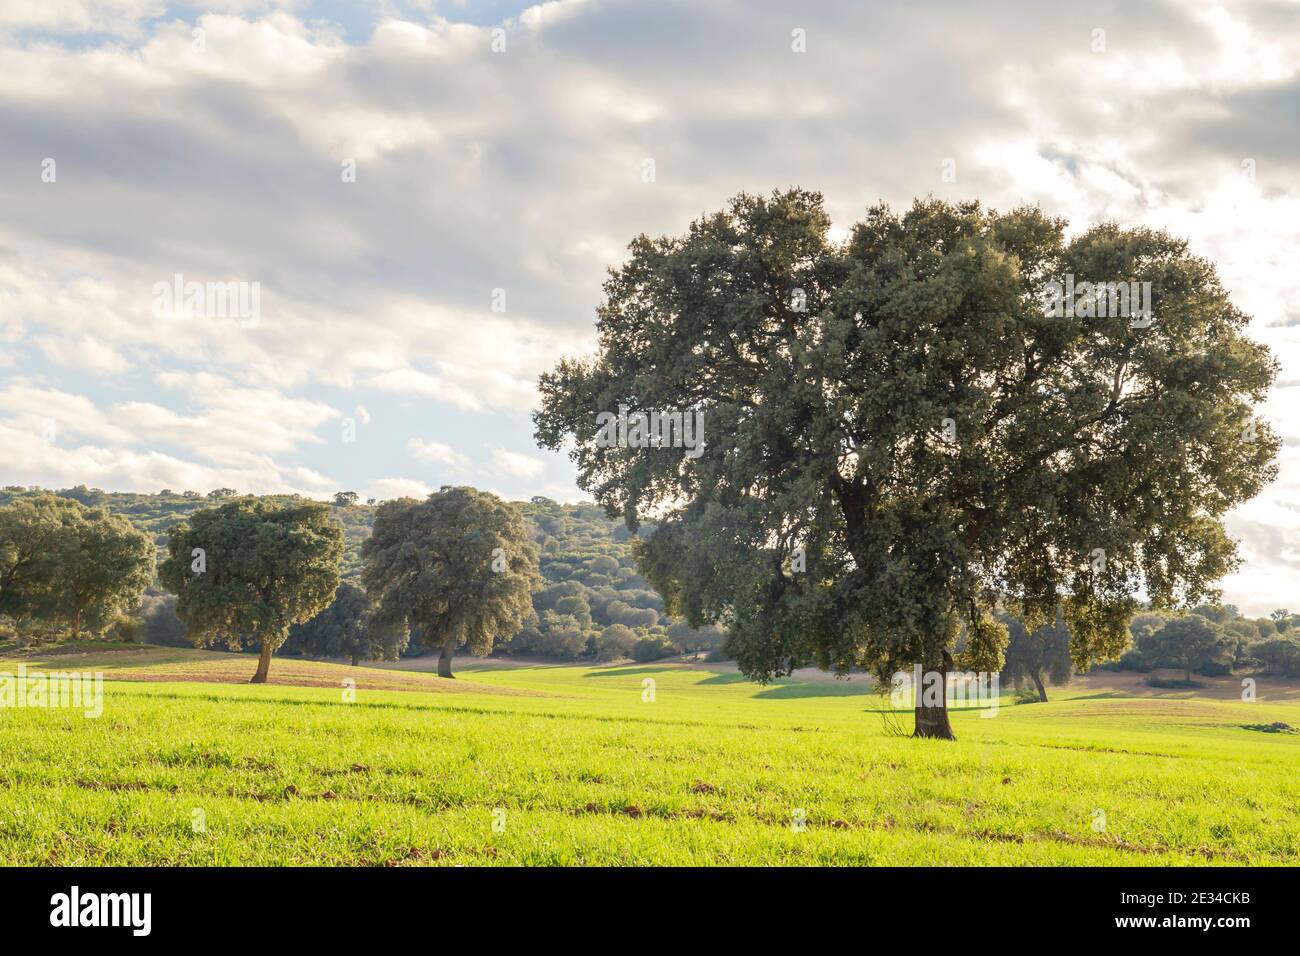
(932, 715)
(1038, 683)
(263, 664)
(444, 659)
(933, 722)
(354, 658)
(1187, 674)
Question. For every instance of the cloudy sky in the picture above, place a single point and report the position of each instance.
(404, 316)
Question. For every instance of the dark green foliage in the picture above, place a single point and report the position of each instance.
(1166, 683)
(1141, 624)
(461, 565)
(31, 529)
(125, 629)
(560, 635)
(929, 437)
(1246, 643)
(104, 565)
(615, 642)
(156, 514)
(64, 564)
(345, 629)
(1278, 655)
(619, 612)
(1192, 644)
(247, 570)
(161, 625)
(1037, 657)
(576, 607)
(653, 648)
(584, 554)
(591, 584)
(691, 640)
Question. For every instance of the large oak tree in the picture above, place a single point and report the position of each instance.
(899, 436)
(461, 566)
(247, 570)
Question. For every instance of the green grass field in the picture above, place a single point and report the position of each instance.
(568, 765)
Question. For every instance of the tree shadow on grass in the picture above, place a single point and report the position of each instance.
(634, 671)
(111, 655)
(799, 689)
(726, 677)
(785, 689)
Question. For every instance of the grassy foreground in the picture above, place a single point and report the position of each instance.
(570, 765)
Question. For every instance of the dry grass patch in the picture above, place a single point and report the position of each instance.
(128, 662)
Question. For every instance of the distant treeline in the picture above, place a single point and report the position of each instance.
(593, 603)
(1209, 640)
(1214, 641)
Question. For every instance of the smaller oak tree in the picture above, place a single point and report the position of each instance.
(1034, 655)
(1191, 643)
(247, 570)
(104, 565)
(346, 629)
(461, 566)
(63, 562)
(30, 531)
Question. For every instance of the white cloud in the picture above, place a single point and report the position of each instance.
(514, 464)
(34, 410)
(233, 426)
(409, 381)
(386, 488)
(83, 351)
(438, 453)
(127, 469)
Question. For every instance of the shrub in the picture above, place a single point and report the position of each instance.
(161, 625)
(1279, 655)
(1132, 661)
(615, 642)
(125, 628)
(693, 641)
(652, 649)
(1166, 683)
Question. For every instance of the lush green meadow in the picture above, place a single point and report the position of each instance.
(570, 765)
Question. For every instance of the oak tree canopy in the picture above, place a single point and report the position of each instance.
(900, 438)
